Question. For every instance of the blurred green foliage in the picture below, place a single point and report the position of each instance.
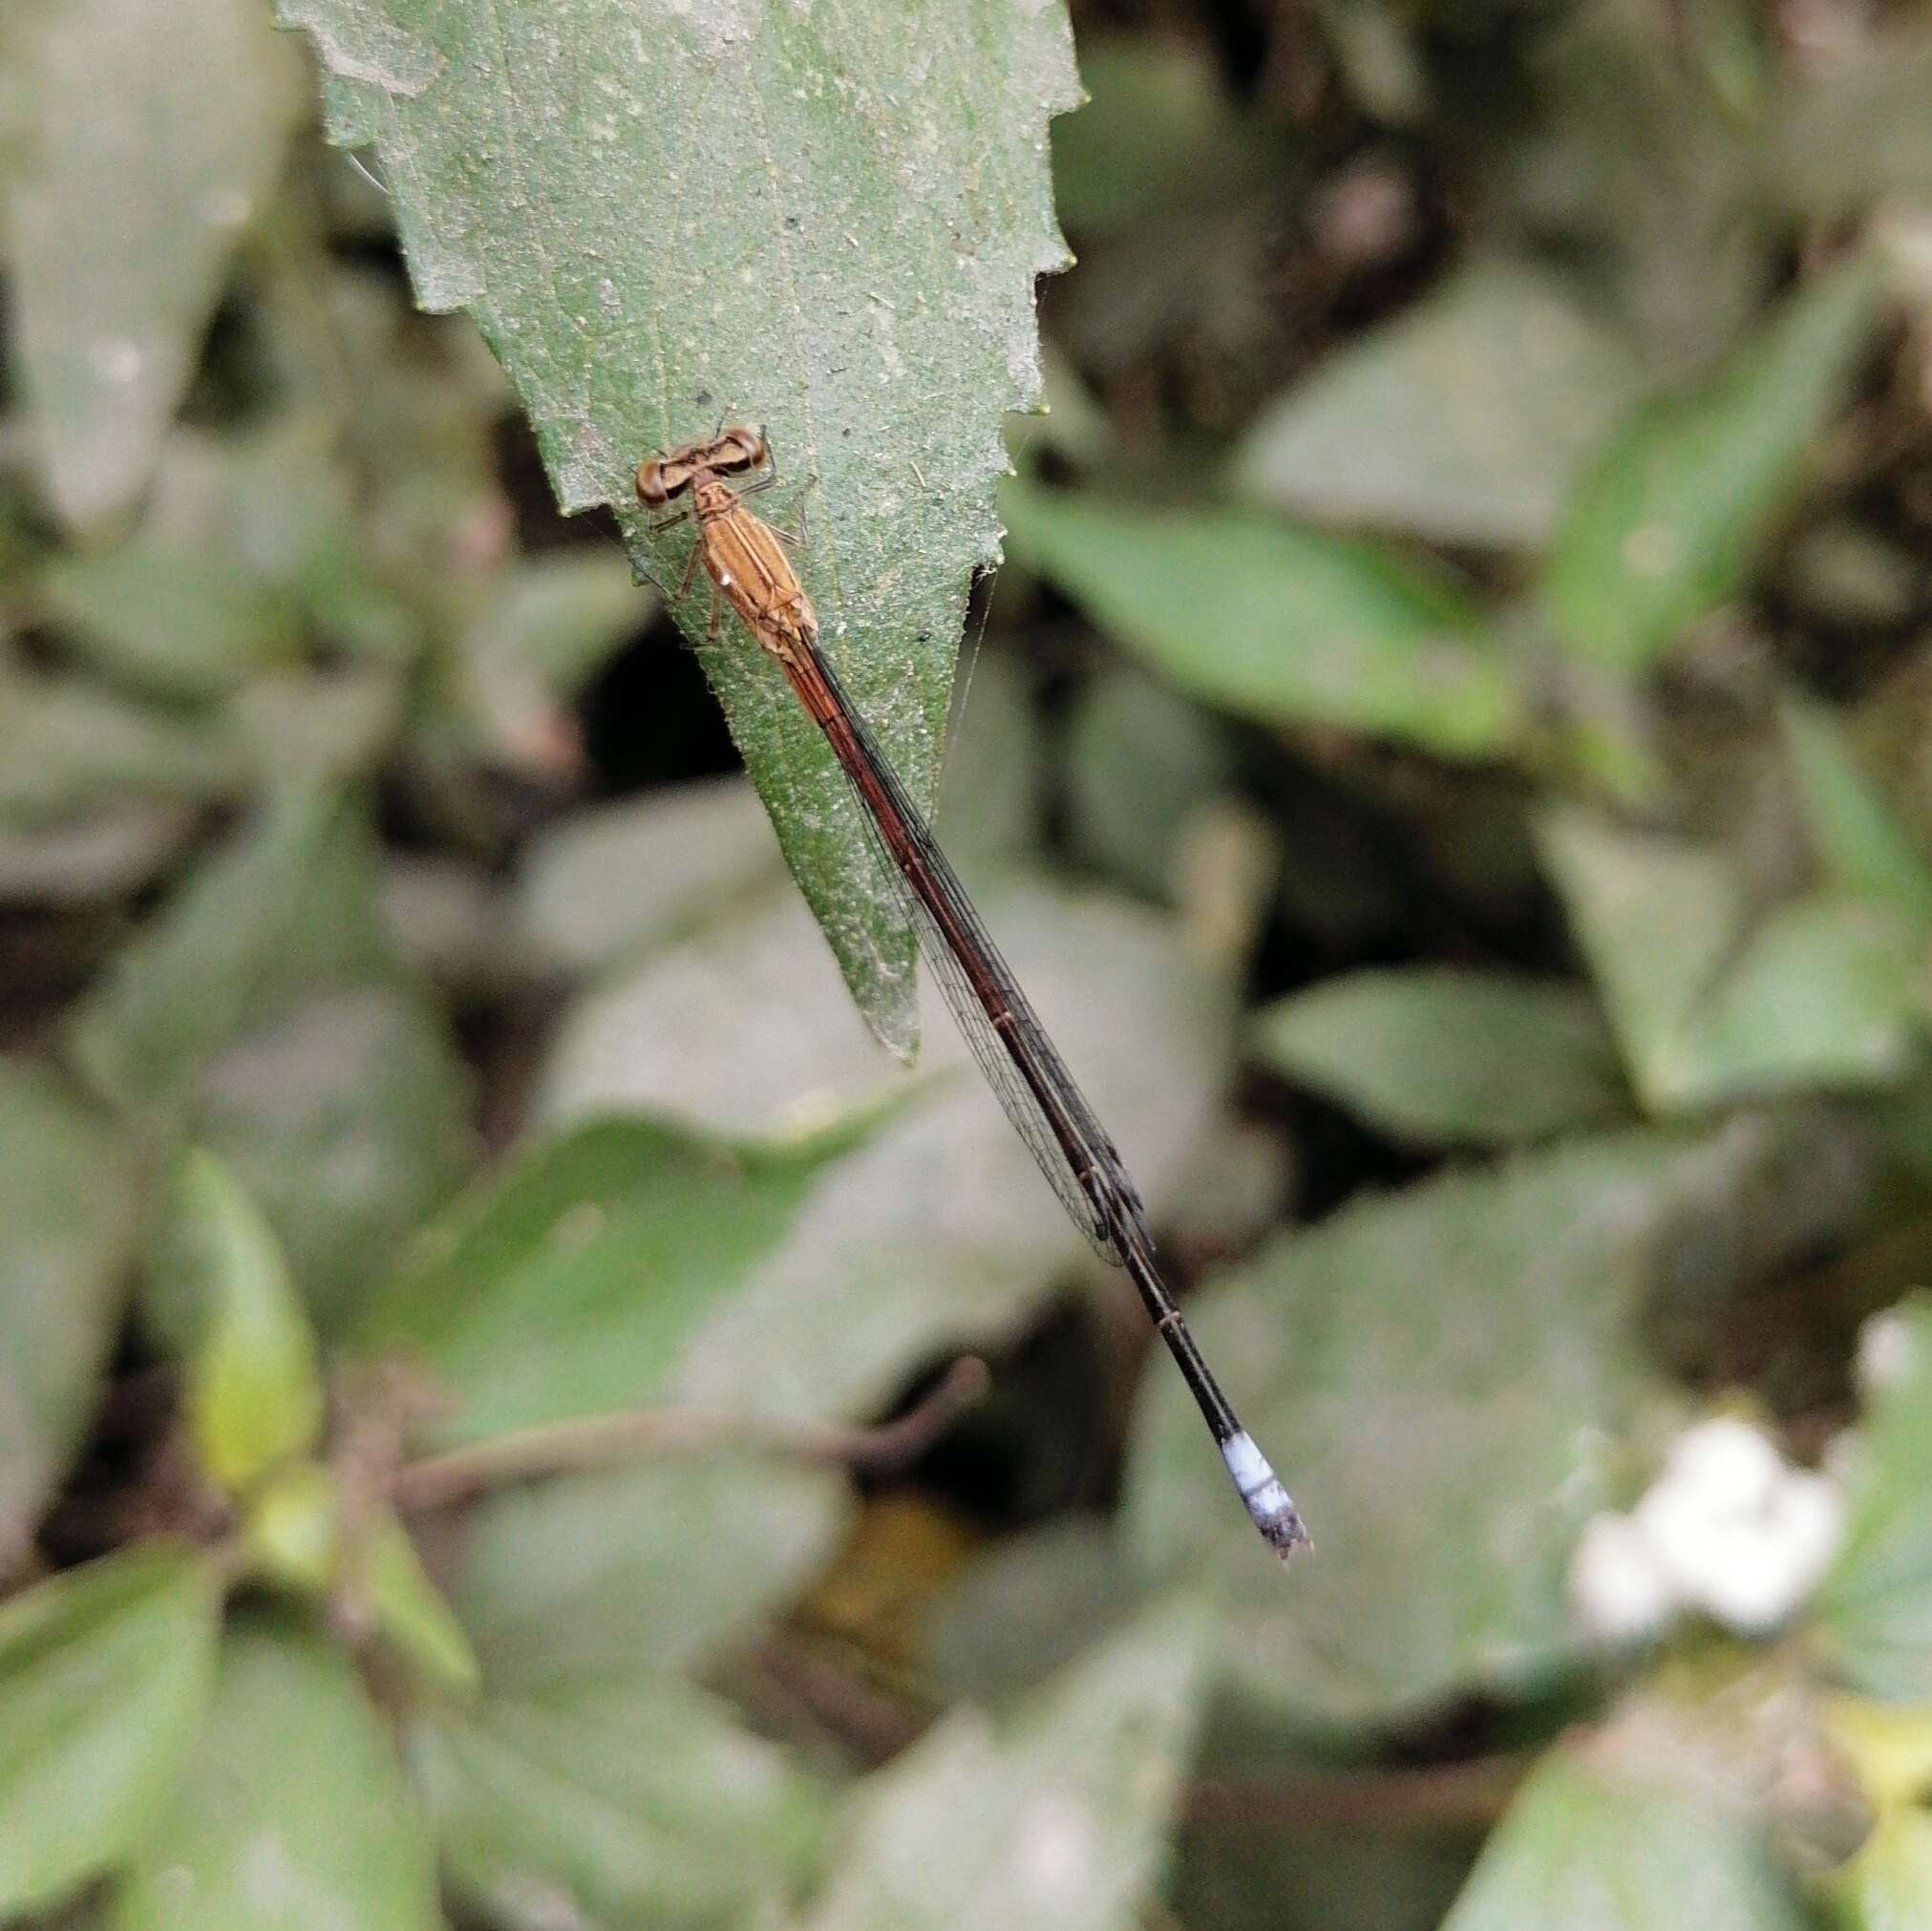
(1450, 760)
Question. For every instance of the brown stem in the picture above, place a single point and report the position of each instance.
(611, 1440)
(1461, 1795)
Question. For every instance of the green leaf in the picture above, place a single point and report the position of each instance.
(1669, 521)
(1594, 1848)
(1276, 624)
(940, 1231)
(1461, 421)
(1056, 1821)
(564, 1578)
(106, 856)
(1822, 995)
(121, 218)
(1159, 138)
(1875, 1608)
(68, 746)
(183, 623)
(1888, 1884)
(1707, 1010)
(611, 879)
(1141, 763)
(1429, 1372)
(254, 1383)
(537, 641)
(570, 1286)
(408, 1608)
(637, 1799)
(286, 907)
(348, 1118)
(301, 1533)
(71, 1200)
(1866, 851)
(291, 1532)
(1379, 57)
(1887, 1746)
(1441, 1056)
(293, 1814)
(1851, 133)
(825, 224)
(265, 1009)
(1025, 1606)
(104, 1673)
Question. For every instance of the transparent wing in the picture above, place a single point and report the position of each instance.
(1020, 1062)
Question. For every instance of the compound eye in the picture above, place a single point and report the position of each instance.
(747, 448)
(652, 490)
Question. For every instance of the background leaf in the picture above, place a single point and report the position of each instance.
(1463, 420)
(1875, 1607)
(121, 218)
(1053, 1823)
(287, 907)
(1707, 1007)
(940, 1233)
(104, 1674)
(639, 1800)
(347, 1117)
(1427, 1371)
(1863, 848)
(820, 145)
(266, 1011)
(1603, 1850)
(570, 1286)
(1667, 524)
(177, 622)
(67, 747)
(292, 1815)
(616, 879)
(557, 1579)
(71, 1208)
(1440, 1056)
(254, 1382)
(1889, 1881)
(1279, 625)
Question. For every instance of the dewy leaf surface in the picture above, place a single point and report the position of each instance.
(824, 219)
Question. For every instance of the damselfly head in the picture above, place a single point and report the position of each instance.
(660, 478)
(730, 452)
(734, 450)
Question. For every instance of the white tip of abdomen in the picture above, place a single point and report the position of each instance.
(1268, 1503)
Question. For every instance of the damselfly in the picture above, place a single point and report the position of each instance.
(745, 559)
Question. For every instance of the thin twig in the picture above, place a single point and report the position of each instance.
(635, 1434)
(1459, 1795)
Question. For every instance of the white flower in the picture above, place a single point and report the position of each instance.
(1728, 1528)
(1619, 1590)
(1884, 1356)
